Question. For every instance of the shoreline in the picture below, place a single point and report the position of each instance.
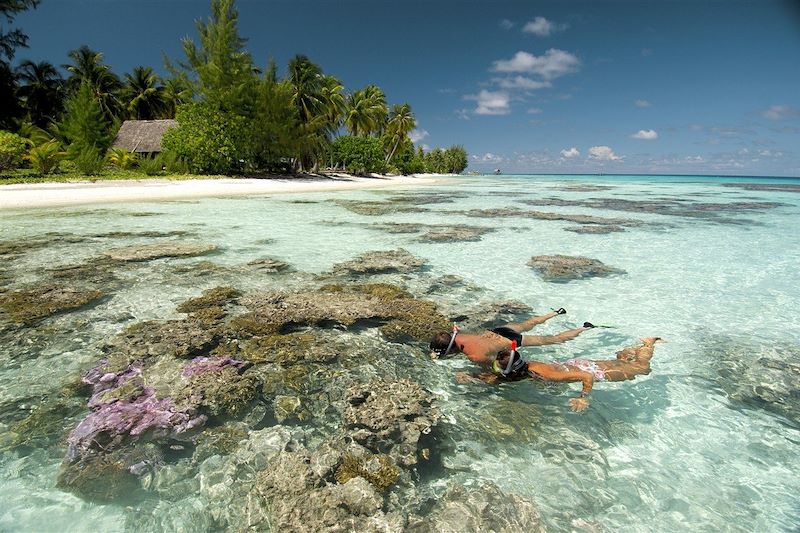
(56, 194)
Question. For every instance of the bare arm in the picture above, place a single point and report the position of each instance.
(559, 373)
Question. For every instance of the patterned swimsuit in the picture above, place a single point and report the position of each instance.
(587, 366)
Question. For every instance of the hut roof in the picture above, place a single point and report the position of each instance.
(142, 135)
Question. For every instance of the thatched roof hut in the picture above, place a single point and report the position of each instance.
(143, 136)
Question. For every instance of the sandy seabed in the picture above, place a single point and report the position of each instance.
(29, 195)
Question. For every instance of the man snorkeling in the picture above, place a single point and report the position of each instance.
(483, 348)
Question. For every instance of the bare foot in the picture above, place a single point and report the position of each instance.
(651, 340)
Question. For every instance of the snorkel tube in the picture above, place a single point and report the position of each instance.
(514, 353)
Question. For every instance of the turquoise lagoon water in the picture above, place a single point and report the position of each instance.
(696, 445)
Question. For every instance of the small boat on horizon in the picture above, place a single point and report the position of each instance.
(497, 171)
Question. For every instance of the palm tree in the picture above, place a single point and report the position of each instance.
(366, 111)
(176, 91)
(333, 104)
(306, 80)
(320, 104)
(401, 122)
(41, 88)
(88, 67)
(143, 97)
(378, 110)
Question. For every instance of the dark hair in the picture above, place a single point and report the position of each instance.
(440, 341)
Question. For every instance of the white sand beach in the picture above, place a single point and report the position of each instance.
(31, 195)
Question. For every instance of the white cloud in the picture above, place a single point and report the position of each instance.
(553, 64)
(603, 153)
(642, 103)
(534, 111)
(572, 152)
(645, 135)
(506, 24)
(521, 82)
(488, 157)
(417, 135)
(491, 102)
(541, 27)
(779, 112)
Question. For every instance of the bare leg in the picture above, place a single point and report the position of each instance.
(530, 323)
(541, 340)
(631, 362)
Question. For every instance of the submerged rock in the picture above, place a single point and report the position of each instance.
(783, 187)
(669, 207)
(594, 229)
(148, 252)
(455, 234)
(563, 268)
(12, 249)
(218, 386)
(373, 208)
(216, 298)
(96, 271)
(178, 338)
(104, 477)
(269, 265)
(290, 496)
(32, 305)
(504, 212)
(583, 188)
(481, 508)
(399, 315)
(380, 262)
(390, 417)
(754, 376)
(493, 314)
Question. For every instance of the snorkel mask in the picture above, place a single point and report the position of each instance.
(439, 353)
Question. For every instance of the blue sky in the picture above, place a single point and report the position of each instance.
(667, 86)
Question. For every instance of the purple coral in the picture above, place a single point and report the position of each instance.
(109, 425)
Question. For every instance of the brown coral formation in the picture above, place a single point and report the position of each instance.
(380, 262)
(148, 252)
(560, 268)
(29, 306)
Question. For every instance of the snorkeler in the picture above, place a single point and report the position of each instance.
(630, 362)
(483, 348)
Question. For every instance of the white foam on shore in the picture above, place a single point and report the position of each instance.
(31, 195)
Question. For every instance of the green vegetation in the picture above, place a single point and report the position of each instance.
(233, 116)
(359, 155)
(12, 150)
(213, 141)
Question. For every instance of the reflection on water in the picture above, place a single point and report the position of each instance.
(707, 442)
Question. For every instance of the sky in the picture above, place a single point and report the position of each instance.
(617, 86)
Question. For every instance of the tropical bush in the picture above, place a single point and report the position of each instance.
(359, 155)
(89, 162)
(121, 158)
(212, 141)
(173, 163)
(12, 150)
(152, 166)
(46, 157)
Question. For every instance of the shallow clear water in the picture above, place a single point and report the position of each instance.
(677, 449)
